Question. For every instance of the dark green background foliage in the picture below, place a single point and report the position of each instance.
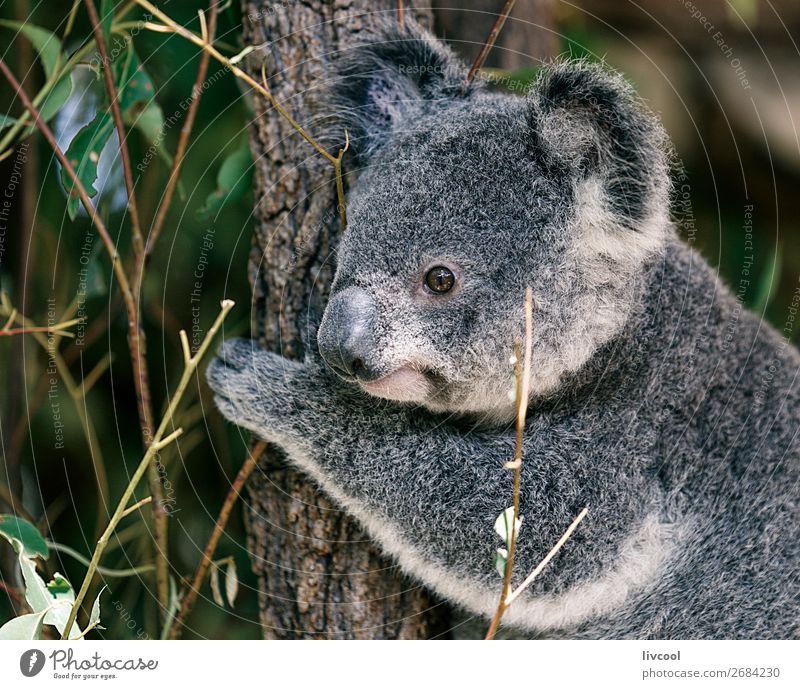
(722, 166)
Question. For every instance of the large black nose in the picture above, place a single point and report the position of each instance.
(346, 335)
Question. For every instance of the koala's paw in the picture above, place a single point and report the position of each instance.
(256, 389)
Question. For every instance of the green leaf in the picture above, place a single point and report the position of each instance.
(55, 99)
(502, 525)
(6, 121)
(23, 628)
(500, 561)
(33, 545)
(48, 46)
(150, 123)
(58, 585)
(133, 84)
(233, 179)
(44, 42)
(84, 154)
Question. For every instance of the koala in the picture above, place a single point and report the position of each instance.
(655, 400)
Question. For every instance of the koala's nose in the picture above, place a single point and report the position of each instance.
(347, 334)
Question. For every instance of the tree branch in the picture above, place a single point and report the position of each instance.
(490, 40)
(202, 569)
(113, 97)
(183, 140)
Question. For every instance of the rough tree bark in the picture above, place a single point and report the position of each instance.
(319, 577)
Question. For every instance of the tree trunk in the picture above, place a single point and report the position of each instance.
(319, 576)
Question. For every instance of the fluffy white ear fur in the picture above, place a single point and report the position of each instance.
(601, 271)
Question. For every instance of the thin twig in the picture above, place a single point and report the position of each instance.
(169, 25)
(535, 573)
(490, 40)
(522, 373)
(140, 364)
(135, 506)
(13, 317)
(183, 140)
(116, 112)
(102, 571)
(160, 440)
(401, 15)
(222, 520)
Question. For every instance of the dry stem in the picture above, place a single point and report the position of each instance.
(536, 572)
(113, 97)
(183, 140)
(222, 520)
(522, 372)
(490, 40)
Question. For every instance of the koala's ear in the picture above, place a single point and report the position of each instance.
(383, 83)
(588, 121)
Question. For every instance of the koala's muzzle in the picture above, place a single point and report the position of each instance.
(347, 334)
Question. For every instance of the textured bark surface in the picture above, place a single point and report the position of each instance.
(319, 577)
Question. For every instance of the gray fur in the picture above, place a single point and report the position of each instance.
(681, 439)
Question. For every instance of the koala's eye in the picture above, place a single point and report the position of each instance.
(440, 279)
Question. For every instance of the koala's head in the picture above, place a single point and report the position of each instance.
(462, 200)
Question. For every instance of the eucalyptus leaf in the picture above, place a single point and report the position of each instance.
(23, 628)
(133, 84)
(55, 99)
(58, 585)
(94, 615)
(27, 534)
(84, 154)
(500, 561)
(55, 603)
(231, 583)
(46, 44)
(502, 525)
(215, 590)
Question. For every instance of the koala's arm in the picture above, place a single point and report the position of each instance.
(407, 468)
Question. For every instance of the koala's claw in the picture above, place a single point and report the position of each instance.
(255, 388)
